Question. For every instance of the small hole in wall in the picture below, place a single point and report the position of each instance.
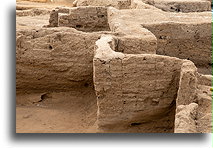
(100, 16)
(210, 64)
(135, 124)
(162, 37)
(86, 85)
(78, 26)
(124, 102)
(43, 97)
(177, 10)
(50, 47)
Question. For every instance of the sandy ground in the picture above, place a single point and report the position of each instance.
(27, 4)
(56, 112)
(29, 22)
(39, 21)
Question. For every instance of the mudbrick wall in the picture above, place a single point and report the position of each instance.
(178, 34)
(59, 58)
(181, 6)
(86, 19)
(136, 59)
(93, 19)
(165, 5)
(146, 93)
(120, 4)
(190, 41)
(134, 89)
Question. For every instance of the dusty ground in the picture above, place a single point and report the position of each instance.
(36, 21)
(29, 4)
(58, 112)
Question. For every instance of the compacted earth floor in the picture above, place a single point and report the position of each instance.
(56, 112)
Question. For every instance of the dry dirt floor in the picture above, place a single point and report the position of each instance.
(56, 112)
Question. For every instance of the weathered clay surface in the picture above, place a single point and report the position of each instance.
(178, 34)
(181, 5)
(165, 5)
(97, 19)
(134, 60)
(94, 20)
(139, 4)
(139, 90)
(187, 84)
(32, 12)
(58, 58)
(120, 4)
(185, 118)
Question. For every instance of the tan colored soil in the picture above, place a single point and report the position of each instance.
(58, 112)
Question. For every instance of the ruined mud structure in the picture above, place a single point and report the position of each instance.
(116, 66)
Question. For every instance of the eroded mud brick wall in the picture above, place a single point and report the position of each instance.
(185, 41)
(136, 89)
(187, 107)
(58, 59)
(85, 19)
(185, 6)
(53, 20)
(119, 4)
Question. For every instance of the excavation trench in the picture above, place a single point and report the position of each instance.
(134, 91)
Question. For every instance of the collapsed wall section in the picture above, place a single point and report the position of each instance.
(135, 90)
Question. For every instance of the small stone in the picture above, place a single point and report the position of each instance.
(26, 116)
